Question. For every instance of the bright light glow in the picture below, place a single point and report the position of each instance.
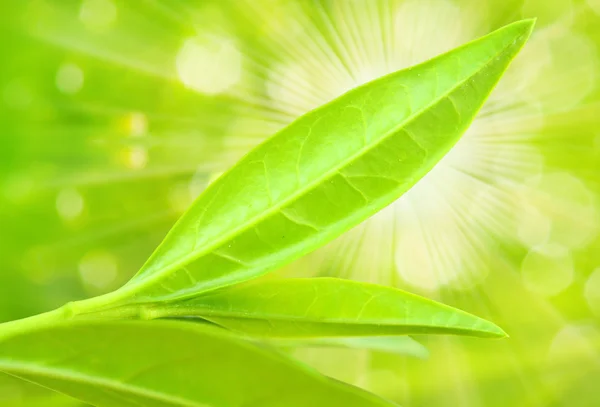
(592, 291)
(443, 232)
(569, 204)
(135, 157)
(180, 197)
(574, 342)
(69, 79)
(533, 227)
(595, 5)
(547, 269)
(210, 65)
(69, 204)
(98, 269)
(98, 14)
(136, 124)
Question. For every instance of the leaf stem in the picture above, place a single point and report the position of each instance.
(66, 312)
(11, 328)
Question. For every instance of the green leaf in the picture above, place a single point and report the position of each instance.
(168, 363)
(399, 345)
(325, 173)
(15, 392)
(317, 307)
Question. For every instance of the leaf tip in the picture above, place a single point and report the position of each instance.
(495, 331)
(525, 27)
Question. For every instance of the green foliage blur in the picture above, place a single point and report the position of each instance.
(115, 114)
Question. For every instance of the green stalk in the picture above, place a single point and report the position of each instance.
(11, 328)
(69, 311)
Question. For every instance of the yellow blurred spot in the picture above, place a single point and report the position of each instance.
(69, 79)
(135, 157)
(595, 5)
(572, 207)
(69, 204)
(547, 269)
(591, 291)
(209, 65)
(198, 183)
(573, 343)
(136, 124)
(533, 227)
(98, 269)
(98, 14)
(414, 261)
(180, 197)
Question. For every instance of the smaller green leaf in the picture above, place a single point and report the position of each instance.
(313, 307)
(399, 345)
(168, 364)
(15, 392)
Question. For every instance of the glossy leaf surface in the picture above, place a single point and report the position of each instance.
(317, 307)
(160, 363)
(327, 172)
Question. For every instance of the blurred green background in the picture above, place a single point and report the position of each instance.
(115, 114)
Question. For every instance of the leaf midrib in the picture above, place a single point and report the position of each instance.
(142, 283)
(206, 313)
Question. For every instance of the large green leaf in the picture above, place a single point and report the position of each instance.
(168, 363)
(15, 392)
(325, 173)
(321, 307)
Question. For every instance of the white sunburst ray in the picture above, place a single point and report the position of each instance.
(337, 258)
(386, 246)
(340, 256)
(516, 164)
(304, 50)
(344, 26)
(422, 239)
(286, 109)
(513, 159)
(378, 24)
(508, 125)
(456, 246)
(372, 257)
(367, 39)
(494, 204)
(250, 107)
(422, 30)
(342, 72)
(351, 244)
(345, 54)
(386, 10)
(472, 260)
(271, 70)
(502, 104)
(257, 66)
